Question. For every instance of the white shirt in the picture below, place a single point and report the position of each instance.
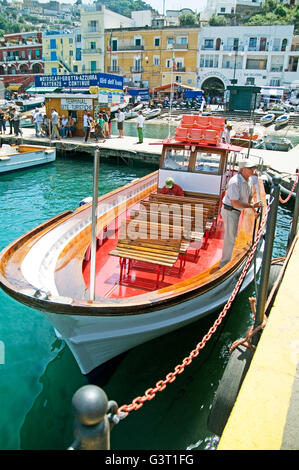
(54, 116)
(85, 120)
(238, 190)
(140, 120)
(120, 117)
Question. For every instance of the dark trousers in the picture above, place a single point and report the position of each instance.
(87, 129)
(2, 125)
(16, 125)
(11, 126)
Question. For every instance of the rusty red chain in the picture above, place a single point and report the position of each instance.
(150, 393)
(284, 201)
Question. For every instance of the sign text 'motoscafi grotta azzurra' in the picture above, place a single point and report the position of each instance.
(81, 80)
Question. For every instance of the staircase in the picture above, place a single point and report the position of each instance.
(64, 64)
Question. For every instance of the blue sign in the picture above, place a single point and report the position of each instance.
(81, 80)
(193, 94)
(142, 92)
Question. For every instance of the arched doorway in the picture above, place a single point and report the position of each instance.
(213, 87)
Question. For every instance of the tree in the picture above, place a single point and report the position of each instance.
(187, 19)
(217, 20)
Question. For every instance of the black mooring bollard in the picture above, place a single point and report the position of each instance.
(92, 427)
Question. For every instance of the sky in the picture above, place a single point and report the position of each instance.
(195, 5)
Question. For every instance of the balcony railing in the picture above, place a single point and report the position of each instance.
(137, 70)
(96, 50)
(113, 69)
(129, 47)
(94, 29)
(180, 69)
(180, 46)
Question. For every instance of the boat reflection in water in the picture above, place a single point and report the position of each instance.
(157, 255)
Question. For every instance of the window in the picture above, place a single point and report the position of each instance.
(209, 43)
(93, 45)
(252, 43)
(52, 43)
(78, 38)
(78, 53)
(157, 42)
(170, 41)
(137, 41)
(114, 44)
(54, 71)
(75, 68)
(93, 65)
(178, 78)
(249, 81)
(182, 40)
(114, 64)
(137, 64)
(256, 64)
(207, 162)
(275, 82)
(37, 53)
(176, 159)
(156, 60)
(222, 10)
(169, 63)
(70, 40)
(71, 53)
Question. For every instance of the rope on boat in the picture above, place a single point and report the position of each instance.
(149, 394)
(284, 201)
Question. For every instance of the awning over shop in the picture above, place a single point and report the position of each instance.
(34, 89)
(14, 86)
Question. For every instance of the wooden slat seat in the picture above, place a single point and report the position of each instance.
(158, 251)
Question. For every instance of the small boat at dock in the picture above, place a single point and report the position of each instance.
(151, 113)
(282, 121)
(243, 138)
(156, 257)
(275, 142)
(19, 157)
(267, 119)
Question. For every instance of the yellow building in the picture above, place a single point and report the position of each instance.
(62, 52)
(145, 55)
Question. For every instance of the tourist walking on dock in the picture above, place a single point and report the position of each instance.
(99, 129)
(54, 121)
(10, 119)
(120, 123)
(87, 121)
(238, 196)
(16, 122)
(70, 127)
(37, 118)
(139, 127)
(2, 122)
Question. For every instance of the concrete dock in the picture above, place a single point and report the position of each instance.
(266, 413)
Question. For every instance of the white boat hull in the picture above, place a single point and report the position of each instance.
(21, 161)
(94, 340)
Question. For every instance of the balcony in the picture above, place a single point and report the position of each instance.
(113, 69)
(129, 47)
(232, 48)
(180, 69)
(91, 30)
(277, 68)
(137, 70)
(180, 46)
(96, 50)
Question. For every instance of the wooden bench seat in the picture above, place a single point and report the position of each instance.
(160, 252)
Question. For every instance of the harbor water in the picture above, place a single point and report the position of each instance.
(38, 373)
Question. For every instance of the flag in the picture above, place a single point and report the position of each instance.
(174, 66)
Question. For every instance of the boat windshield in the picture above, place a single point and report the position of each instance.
(207, 162)
(176, 159)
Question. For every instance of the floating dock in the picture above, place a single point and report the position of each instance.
(265, 415)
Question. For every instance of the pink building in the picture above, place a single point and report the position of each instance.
(20, 59)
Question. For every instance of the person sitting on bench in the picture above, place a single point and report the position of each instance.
(172, 188)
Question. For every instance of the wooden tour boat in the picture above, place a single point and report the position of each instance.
(18, 157)
(157, 255)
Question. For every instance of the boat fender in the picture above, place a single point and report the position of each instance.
(228, 389)
(273, 274)
(86, 200)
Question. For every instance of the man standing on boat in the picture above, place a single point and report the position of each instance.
(171, 188)
(238, 196)
(140, 122)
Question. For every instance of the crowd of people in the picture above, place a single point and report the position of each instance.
(11, 117)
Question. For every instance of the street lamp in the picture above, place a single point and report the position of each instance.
(234, 81)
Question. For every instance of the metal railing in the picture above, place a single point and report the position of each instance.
(96, 50)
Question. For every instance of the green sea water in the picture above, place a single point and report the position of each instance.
(38, 373)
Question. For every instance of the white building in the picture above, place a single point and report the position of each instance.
(94, 20)
(247, 55)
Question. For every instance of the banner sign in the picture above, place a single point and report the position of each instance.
(81, 80)
(142, 92)
(193, 94)
(76, 104)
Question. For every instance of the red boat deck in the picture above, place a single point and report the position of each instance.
(142, 276)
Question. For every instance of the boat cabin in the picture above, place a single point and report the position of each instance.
(196, 158)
